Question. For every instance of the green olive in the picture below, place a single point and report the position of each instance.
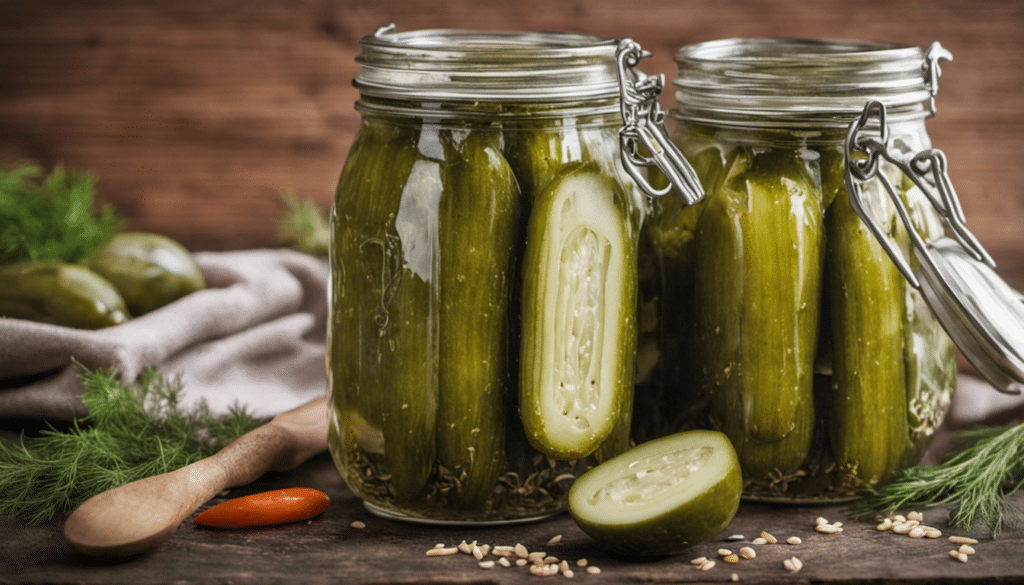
(150, 270)
(62, 294)
(660, 497)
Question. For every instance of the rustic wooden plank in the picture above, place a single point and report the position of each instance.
(330, 550)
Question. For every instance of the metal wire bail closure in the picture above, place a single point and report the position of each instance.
(981, 313)
(644, 125)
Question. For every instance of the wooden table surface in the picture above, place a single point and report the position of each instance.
(329, 550)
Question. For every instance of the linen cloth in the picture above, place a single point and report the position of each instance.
(255, 336)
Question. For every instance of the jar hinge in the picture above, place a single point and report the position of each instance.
(644, 126)
(933, 71)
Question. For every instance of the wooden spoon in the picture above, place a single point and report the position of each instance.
(137, 517)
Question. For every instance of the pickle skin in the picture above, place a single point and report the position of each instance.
(868, 424)
(478, 233)
(675, 518)
(60, 294)
(149, 270)
(578, 227)
(759, 265)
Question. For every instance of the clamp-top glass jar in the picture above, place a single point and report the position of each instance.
(483, 274)
(782, 320)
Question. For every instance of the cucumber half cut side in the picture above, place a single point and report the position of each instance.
(661, 497)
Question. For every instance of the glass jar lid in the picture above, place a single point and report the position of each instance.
(446, 65)
(774, 81)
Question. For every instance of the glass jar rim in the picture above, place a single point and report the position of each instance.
(784, 81)
(456, 65)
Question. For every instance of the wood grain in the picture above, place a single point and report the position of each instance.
(194, 116)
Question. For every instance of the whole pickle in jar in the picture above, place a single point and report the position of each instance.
(578, 313)
(150, 270)
(868, 419)
(61, 294)
(759, 265)
(478, 229)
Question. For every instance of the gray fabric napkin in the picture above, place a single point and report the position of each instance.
(254, 336)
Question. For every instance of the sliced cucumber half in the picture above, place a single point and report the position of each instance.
(662, 496)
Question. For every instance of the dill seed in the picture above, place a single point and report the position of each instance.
(819, 521)
(568, 574)
(769, 538)
(581, 563)
(486, 548)
(463, 547)
(733, 558)
(555, 540)
(884, 525)
(902, 528)
(594, 570)
(958, 556)
(792, 564)
(962, 540)
(795, 539)
(699, 561)
(503, 551)
(358, 524)
(550, 560)
(521, 562)
(930, 532)
(439, 545)
(916, 532)
(724, 552)
(478, 553)
(837, 524)
(521, 551)
(734, 578)
(707, 565)
(442, 552)
(503, 561)
(966, 549)
(563, 566)
(831, 528)
(734, 538)
(915, 516)
(486, 564)
(747, 552)
(536, 570)
(759, 541)
(536, 556)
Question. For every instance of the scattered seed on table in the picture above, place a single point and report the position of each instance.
(932, 532)
(962, 540)
(549, 560)
(915, 516)
(478, 553)
(747, 552)
(759, 541)
(699, 561)
(792, 564)
(504, 562)
(464, 547)
(555, 540)
(734, 578)
(707, 565)
(536, 556)
(794, 540)
(958, 556)
(563, 566)
(733, 558)
(966, 549)
(568, 574)
(486, 564)
(581, 563)
(832, 528)
(916, 532)
(442, 552)
(820, 520)
(884, 525)
(594, 570)
(358, 524)
(439, 545)
(521, 551)
(898, 518)
(724, 552)
(734, 538)
(769, 538)
(521, 562)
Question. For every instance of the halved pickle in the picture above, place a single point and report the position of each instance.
(660, 497)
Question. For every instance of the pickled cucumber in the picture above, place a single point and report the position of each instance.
(578, 313)
(61, 294)
(868, 422)
(759, 264)
(149, 270)
(662, 496)
(478, 234)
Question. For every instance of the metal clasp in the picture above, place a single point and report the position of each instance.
(644, 126)
(933, 71)
(981, 313)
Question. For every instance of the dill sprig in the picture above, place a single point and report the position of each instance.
(976, 480)
(132, 431)
(303, 225)
(52, 218)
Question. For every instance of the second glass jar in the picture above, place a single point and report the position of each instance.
(781, 320)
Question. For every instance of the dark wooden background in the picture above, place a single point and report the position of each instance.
(195, 115)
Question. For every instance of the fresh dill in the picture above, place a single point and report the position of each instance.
(132, 431)
(52, 218)
(303, 225)
(977, 481)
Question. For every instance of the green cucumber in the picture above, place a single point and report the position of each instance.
(868, 423)
(660, 497)
(578, 313)
(60, 294)
(478, 233)
(149, 270)
(759, 267)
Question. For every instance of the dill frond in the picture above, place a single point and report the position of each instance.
(303, 225)
(976, 480)
(132, 431)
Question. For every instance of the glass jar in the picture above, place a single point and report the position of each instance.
(780, 319)
(483, 275)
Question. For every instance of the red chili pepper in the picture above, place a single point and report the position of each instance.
(273, 507)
